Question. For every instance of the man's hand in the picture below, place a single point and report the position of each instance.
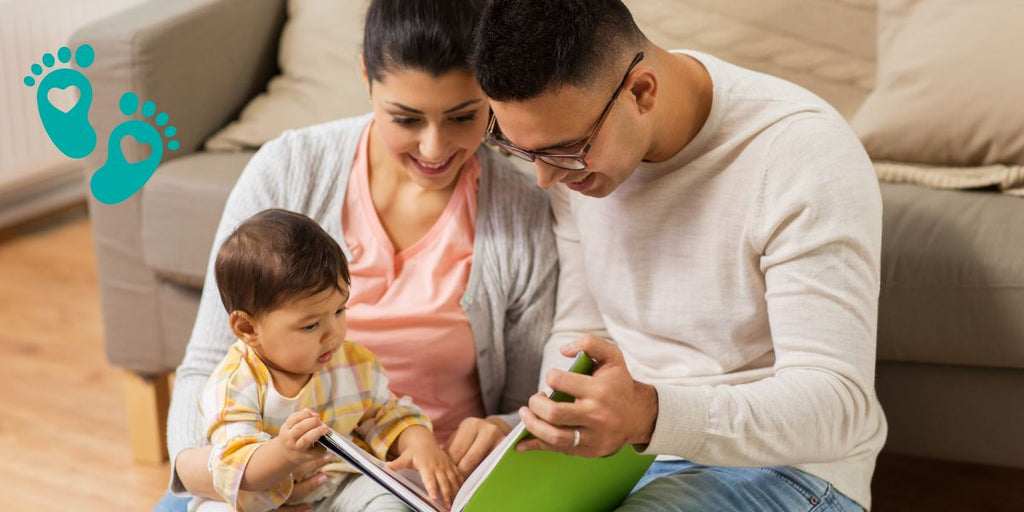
(474, 440)
(611, 409)
(418, 449)
(298, 435)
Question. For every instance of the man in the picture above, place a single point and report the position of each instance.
(719, 233)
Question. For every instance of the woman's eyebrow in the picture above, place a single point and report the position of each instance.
(460, 106)
(463, 105)
(404, 107)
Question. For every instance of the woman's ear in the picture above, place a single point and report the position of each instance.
(366, 77)
(244, 327)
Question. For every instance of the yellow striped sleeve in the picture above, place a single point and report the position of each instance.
(385, 416)
(232, 406)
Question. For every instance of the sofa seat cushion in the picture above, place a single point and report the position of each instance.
(952, 277)
(181, 207)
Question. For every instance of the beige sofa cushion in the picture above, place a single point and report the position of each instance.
(181, 207)
(952, 277)
(949, 84)
(319, 80)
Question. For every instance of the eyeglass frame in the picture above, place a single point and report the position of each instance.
(580, 156)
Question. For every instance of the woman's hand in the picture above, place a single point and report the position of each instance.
(308, 478)
(474, 440)
(418, 449)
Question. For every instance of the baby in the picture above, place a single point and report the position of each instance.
(284, 282)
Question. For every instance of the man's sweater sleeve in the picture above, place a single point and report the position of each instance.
(818, 231)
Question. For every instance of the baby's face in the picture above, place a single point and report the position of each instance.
(301, 336)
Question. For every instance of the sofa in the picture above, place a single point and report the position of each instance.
(951, 322)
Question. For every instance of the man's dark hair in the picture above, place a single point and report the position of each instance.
(524, 47)
(434, 36)
(274, 257)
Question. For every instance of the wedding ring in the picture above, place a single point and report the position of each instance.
(575, 437)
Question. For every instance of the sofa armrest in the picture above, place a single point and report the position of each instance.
(199, 61)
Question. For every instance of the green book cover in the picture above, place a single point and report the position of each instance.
(508, 480)
(542, 480)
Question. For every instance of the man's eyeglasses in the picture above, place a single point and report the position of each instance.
(570, 161)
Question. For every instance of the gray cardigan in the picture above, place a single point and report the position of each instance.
(509, 299)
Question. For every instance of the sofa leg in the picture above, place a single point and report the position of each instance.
(147, 399)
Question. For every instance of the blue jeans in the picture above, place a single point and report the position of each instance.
(172, 503)
(681, 485)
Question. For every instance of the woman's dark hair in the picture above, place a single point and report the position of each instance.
(525, 47)
(433, 36)
(274, 257)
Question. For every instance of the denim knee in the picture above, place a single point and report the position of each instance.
(171, 503)
(710, 488)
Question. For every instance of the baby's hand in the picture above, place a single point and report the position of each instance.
(298, 436)
(418, 449)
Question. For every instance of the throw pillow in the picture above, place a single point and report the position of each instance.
(319, 80)
(949, 83)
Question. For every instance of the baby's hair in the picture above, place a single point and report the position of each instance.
(276, 256)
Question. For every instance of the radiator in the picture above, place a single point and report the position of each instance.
(35, 176)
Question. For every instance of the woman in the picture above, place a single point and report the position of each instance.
(451, 252)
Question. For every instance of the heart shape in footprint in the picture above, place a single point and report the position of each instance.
(64, 99)
(135, 151)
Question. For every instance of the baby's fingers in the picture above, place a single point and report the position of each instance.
(450, 481)
(430, 482)
(402, 462)
(308, 440)
(294, 434)
(297, 417)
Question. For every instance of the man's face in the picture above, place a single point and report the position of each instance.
(558, 121)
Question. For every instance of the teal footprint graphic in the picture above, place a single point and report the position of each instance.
(117, 179)
(70, 131)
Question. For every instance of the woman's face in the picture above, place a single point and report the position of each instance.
(430, 125)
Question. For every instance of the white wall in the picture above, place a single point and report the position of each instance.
(28, 161)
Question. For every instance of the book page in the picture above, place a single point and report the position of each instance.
(479, 474)
(409, 490)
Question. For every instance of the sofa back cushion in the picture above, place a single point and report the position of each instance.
(949, 84)
(319, 80)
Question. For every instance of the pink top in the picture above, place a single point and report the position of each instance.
(405, 307)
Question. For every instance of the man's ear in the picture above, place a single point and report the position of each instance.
(244, 327)
(365, 75)
(644, 89)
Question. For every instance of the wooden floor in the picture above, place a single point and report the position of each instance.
(63, 428)
(63, 432)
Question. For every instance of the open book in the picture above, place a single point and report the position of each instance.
(515, 481)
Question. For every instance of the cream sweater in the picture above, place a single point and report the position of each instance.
(740, 278)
